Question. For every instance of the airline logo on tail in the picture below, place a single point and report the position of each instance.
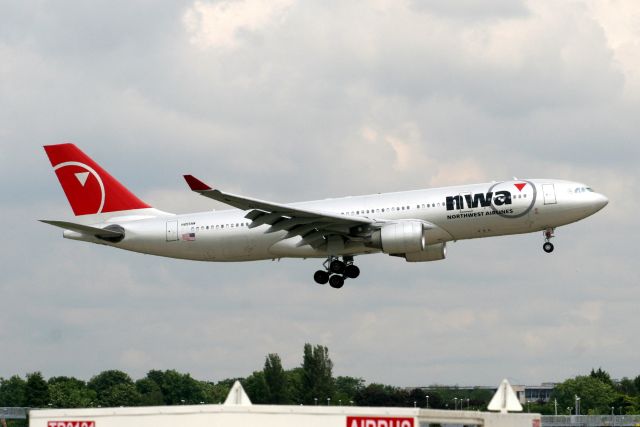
(89, 188)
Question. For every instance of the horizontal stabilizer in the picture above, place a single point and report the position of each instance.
(100, 233)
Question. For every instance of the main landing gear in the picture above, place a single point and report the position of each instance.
(548, 235)
(336, 271)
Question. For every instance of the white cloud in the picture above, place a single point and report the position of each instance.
(619, 20)
(219, 25)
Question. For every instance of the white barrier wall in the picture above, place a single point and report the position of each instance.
(271, 416)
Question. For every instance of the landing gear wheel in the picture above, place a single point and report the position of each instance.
(547, 247)
(351, 271)
(337, 266)
(336, 281)
(321, 277)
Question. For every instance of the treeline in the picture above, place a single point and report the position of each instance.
(598, 393)
(312, 383)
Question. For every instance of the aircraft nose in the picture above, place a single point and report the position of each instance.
(601, 201)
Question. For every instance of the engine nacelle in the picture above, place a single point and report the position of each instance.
(433, 252)
(400, 237)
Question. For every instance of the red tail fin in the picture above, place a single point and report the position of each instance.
(89, 188)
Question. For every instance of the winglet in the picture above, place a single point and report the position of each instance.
(195, 184)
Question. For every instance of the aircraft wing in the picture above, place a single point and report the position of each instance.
(312, 225)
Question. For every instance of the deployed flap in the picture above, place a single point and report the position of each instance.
(237, 395)
(101, 233)
(505, 399)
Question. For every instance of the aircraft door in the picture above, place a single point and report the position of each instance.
(172, 231)
(549, 193)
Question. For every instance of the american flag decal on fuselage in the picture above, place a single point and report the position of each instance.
(189, 237)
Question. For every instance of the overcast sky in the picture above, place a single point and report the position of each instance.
(295, 100)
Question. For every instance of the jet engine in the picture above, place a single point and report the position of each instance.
(400, 237)
(434, 252)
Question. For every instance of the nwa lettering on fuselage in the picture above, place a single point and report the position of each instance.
(499, 198)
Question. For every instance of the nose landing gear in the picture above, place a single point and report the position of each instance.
(548, 235)
(336, 271)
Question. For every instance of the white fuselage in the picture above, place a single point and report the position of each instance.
(461, 212)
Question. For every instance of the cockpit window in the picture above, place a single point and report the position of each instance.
(583, 189)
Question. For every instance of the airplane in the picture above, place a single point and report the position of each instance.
(415, 225)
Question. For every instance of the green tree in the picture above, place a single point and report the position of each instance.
(276, 380)
(627, 387)
(150, 393)
(480, 398)
(626, 404)
(596, 397)
(256, 387)
(294, 385)
(123, 394)
(108, 379)
(13, 391)
(216, 392)
(177, 388)
(418, 396)
(317, 380)
(382, 395)
(219, 392)
(111, 387)
(69, 392)
(346, 389)
(636, 382)
(436, 401)
(37, 391)
(602, 376)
